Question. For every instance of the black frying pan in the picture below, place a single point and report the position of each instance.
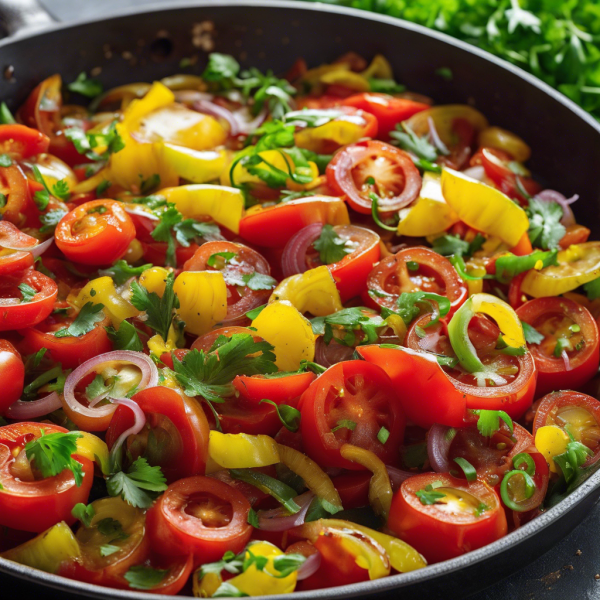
(147, 44)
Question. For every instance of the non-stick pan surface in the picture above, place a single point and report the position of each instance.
(148, 44)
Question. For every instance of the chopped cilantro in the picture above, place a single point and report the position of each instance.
(27, 293)
(121, 271)
(51, 454)
(330, 246)
(408, 140)
(85, 86)
(383, 435)
(489, 421)
(84, 513)
(125, 338)
(139, 485)
(344, 424)
(88, 316)
(141, 577)
(545, 228)
(532, 335)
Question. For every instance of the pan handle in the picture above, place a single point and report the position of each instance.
(20, 15)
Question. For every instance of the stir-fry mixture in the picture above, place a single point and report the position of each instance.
(267, 334)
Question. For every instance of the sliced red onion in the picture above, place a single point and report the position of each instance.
(429, 342)
(25, 411)
(191, 96)
(568, 217)
(36, 250)
(476, 172)
(310, 566)
(279, 519)
(94, 365)
(397, 476)
(246, 121)
(139, 211)
(330, 354)
(210, 108)
(566, 360)
(439, 440)
(435, 138)
(293, 259)
(138, 424)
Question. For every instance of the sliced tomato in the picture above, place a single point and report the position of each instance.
(12, 375)
(281, 390)
(562, 321)
(16, 314)
(433, 273)
(353, 489)
(36, 504)
(283, 220)
(388, 110)
(19, 141)
(350, 404)
(200, 516)
(95, 233)
(243, 264)
(374, 167)
(454, 524)
(175, 435)
(575, 234)
(19, 208)
(240, 416)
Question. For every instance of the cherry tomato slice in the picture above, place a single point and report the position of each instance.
(12, 375)
(19, 208)
(21, 142)
(281, 390)
(373, 166)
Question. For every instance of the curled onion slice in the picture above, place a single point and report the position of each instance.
(94, 365)
(278, 519)
(293, 259)
(25, 411)
(214, 110)
(439, 440)
(139, 211)
(397, 476)
(310, 566)
(330, 354)
(568, 217)
(138, 424)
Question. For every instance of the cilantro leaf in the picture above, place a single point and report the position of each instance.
(158, 310)
(213, 259)
(121, 271)
(408, 307)
(259, 281)
(88, 316)
(344, 424)
(138, 485)
(61, 190)
(330, 246)
(51, 454)
(86, 142)
(51, 219)
(125, 338)
(447, 245)
(220, 68)
(84, 513)
(140, 577)
(27, 293)
(163, 232)
(532, 335)
(288, 415)
(97, 387)
(545, 229)
(86, 87)
(108, 549)
(408, 140)
(489, 421)
(350, 319)
(429, 497)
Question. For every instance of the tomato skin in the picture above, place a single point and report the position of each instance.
(552, 373)
(174, 531)
(439, 535)
(20, 208)
(353, 489)
(282, 390)
(15, 263)
(186, 416)
(12, 375)
(348, 163)
(388, 110)
(102, 238)
(19, 316)
(19, 141)
(368, 399)
(239, 416)
(575, 234)
(391, 276)
(37, 505)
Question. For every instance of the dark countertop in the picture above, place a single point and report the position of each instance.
(569, 571)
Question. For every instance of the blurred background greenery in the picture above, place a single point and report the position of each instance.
(556, 40)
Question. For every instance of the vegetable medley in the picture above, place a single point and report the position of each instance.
(262, 334)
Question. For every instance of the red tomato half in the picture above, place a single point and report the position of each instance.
(388, 110)
(562, 320)
(95, 233)
(20, 142)
(433, 273)
(351, 392)
(12, 375)
(282, 390)
(19, 208)
(454, 524)
(201, 516)
(175, 436)
(30, 504)
(18, 315)
(373, 166)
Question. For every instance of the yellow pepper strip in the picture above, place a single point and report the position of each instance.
(380, 488)
(316, 480)
(48, 550)
(225, 205)
(443, 118)
(313, 291)
(483, 207)
(429, 214)
(551, 441)
(135, 252)
(342, 131)
(88, 185)
(496, 137)
(102, 291)
(403, 557)
(475, 286)
(396, 322)
(158, 346)
(504, 315)
(206, 586)
(313, 76)
(137, 161)
(349, 79)
(93, 448)
(194, 165)
(578, 264)
(241, 450)
(202, 299)
(52, 170)
(293, 343)
(154, 280)
(379, 68)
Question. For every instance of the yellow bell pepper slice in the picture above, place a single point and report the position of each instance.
(52, 170)
(202, 299)
(349, 79)
(313, 291)
(225, 205)
(504, 315)
(496, 137)
(578, 264)
(154, 280)
(429, 214)
(48, 550)
(483, 207)
(138, 161)
(158, 346)
(403, 557)
(241, 450)
(551, 441)
(342, 131)
(194, 165)
(89, 185)
(379, 68)
(93, 448)
(293, 343)
(102, 291)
